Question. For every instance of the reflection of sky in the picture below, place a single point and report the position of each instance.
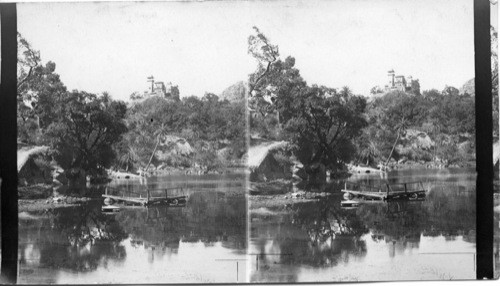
(397, 250)
(212, 263)
(193, 244)
(434, 258)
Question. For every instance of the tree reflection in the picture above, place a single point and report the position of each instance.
(77, 239)
(316, 234)
(443, 213)
(208, 217)
(83, 239)
(323, 234)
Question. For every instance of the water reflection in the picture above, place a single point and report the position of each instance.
(320, 241)
(82, 244)
(77, 240)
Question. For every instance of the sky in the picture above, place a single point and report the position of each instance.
(201, 46)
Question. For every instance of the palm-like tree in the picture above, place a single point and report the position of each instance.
(159, 133)
(370, 152)
(129, 158)
(401, 127)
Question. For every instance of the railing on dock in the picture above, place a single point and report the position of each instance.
(410, 191)
(405, 187)
(153, 193)
(385, 188)
(363, 188)
(144, 197)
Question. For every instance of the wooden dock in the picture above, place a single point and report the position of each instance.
(149, 197)
(387, 192)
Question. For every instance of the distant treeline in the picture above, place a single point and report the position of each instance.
(94, 132)
(326, 126)
(333, 127)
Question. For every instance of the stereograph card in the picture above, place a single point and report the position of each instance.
(167, 142)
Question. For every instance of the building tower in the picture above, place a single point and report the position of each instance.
(390, 74)
(409, 82)
(151, 79)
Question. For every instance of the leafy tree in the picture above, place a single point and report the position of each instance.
(415, 87)
(453, 113)
(208, 123)
(266, 55)
(325, 124)
(144, 119)
(136, 95)
(37, 88)
(369, 151)
(450, 91)
(376, 90)
(174, 92)
(28, 60)
(321, 121)
(389, 118)
(400, 117)
(159, 133)
(129, 158)
(431, 95)
(85, 130)
(277, 91)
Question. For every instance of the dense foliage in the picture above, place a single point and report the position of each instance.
(94, 132)
(321, 122)
(334, 127)
(208, 124)
(80, 127)
(447, 117)
(85, 130)
(326, 126)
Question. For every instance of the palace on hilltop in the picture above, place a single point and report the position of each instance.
(400, 83)
(158, 88)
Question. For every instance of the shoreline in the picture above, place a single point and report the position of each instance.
(33, 205)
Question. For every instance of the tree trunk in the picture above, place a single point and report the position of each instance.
(152, 155)
(393, 147)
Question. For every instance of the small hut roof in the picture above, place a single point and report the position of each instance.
(257, 154)
(26, 152)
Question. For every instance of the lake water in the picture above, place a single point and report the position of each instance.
(419, 240)
(204, 241)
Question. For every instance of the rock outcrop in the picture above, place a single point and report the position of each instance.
(468, 87)
(235, 92)
(173, 145)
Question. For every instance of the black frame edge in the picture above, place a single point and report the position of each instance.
(8, 143)
(484, 140)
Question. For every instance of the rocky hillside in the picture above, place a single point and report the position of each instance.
(468, 87)
(235, 92)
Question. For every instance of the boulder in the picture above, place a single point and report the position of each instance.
(235, 93)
